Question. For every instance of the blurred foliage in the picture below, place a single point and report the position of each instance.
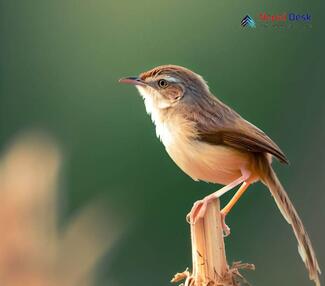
(59, 66)
(35, 249)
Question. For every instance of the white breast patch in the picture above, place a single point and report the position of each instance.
(163, 131)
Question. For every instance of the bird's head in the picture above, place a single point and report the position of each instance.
(168, 86)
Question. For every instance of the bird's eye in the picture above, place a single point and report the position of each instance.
(162, 83)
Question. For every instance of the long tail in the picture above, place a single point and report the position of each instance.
(289, 212)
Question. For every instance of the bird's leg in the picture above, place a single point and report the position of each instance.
(230, 205)
(199, 207)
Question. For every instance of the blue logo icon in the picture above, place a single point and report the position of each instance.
(248, 21)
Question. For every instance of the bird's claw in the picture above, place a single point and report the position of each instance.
(198, 211)
(225, 227)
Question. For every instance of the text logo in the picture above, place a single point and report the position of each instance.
(248, 21)
(284, 17)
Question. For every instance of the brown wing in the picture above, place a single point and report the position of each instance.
(222, 125)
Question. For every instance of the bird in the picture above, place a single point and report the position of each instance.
(211, 142)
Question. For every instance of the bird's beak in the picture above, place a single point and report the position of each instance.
(132, 80)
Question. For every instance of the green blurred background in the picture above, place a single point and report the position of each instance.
(59, 66)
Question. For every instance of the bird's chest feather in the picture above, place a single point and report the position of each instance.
(201, 161)
(170, 128)
(166, 133)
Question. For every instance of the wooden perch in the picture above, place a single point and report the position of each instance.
(210, 265)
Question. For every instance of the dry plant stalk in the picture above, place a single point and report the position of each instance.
(210, 265)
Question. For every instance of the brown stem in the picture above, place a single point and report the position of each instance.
(210, 265)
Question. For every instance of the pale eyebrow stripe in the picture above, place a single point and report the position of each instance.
(172, 79)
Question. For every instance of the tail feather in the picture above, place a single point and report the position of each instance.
(289, 212)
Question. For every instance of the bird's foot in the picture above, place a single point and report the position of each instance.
(198, 211)
(225, 227)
